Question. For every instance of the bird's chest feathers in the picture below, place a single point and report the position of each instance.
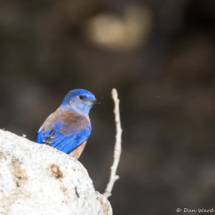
(67, 122)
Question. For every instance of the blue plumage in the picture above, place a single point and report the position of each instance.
(68, 128)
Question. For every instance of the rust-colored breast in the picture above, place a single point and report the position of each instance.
(76, 153)
(66, 122)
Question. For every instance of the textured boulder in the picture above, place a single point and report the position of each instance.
(38, 179)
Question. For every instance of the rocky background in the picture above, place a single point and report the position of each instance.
(160, 57)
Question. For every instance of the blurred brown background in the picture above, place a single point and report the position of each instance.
(160, 55)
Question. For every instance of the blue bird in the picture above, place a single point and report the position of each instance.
(68, 128)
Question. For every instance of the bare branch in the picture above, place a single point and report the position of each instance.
(118, 148)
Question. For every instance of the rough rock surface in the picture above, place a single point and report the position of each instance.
(40, 180)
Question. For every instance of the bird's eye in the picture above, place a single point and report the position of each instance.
(81, 97)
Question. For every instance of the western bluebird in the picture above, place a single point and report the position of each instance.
(68, 128)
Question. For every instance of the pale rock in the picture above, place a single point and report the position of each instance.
(40, 180)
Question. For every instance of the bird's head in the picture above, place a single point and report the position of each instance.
(79, 101)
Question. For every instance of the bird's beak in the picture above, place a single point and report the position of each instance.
(96, 102)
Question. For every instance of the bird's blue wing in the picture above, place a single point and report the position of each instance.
(64, 132)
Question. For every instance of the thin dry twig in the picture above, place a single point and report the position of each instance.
(117, 148)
